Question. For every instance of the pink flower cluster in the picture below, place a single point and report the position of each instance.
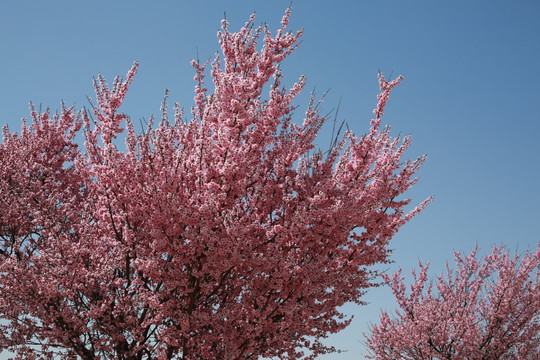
(484, 309)
(219, 237)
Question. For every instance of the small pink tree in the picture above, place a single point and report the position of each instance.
(486, 309)
(220, 237)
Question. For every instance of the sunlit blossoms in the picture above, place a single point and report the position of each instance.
(483, 309)
(223, 236)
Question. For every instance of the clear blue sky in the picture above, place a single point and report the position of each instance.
(470, 98)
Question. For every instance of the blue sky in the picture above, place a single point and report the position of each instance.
(470, 98)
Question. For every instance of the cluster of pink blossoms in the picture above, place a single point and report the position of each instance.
(483, 309)
(220, 237)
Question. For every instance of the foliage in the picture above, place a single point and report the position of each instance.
(486, 309)
(221, 237)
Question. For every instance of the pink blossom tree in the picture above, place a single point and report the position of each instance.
(220, 237)
(486, 309)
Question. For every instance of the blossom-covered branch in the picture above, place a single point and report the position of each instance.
(482, 309)
(215, 237)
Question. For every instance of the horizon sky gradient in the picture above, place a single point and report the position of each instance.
(470, 97)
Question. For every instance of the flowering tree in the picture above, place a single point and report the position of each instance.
(221, 237)
(486, 309)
